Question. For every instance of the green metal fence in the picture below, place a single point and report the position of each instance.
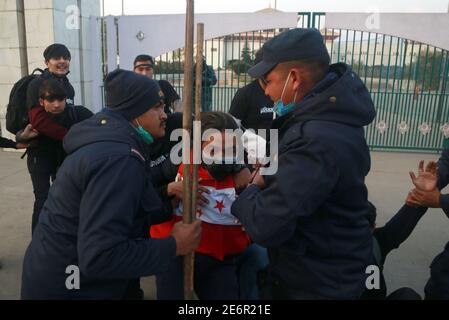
(408, 80)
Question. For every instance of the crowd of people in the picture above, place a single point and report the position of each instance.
(109, 198)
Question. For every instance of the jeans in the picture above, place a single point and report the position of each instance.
(42, 171)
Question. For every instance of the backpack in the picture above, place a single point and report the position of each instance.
(17, 110)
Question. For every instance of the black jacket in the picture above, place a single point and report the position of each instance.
(388, 238)
(47, 147)
(94, 217)
(312, 214)
(163, 171)
(438, 285)
(34, 86)
(7, 143)
(51, 148)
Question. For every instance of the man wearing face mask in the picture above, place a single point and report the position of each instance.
(98, 207)
(311, 214)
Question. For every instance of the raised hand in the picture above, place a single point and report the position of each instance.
(426, 179)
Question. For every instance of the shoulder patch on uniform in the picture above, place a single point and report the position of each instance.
(136, 152)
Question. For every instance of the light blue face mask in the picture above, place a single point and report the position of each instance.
(279, 108)
(146, 136)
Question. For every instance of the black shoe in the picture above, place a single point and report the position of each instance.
(1, 265)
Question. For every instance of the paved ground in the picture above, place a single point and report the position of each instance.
(388, 184)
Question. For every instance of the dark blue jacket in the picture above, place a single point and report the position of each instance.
(390, 237)
(312, 214)
(438, 285)
(95, 215)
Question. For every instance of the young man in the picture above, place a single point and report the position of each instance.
(311, 214)
(52, 119)
(95, 214)
(42, 160)
(57, 59)
(144, 65)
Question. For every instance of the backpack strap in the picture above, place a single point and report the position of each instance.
(37, 69)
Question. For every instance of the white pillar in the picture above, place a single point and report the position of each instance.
(46, 22)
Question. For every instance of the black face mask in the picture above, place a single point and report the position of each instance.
(219, 171)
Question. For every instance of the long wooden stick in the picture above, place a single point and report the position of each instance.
(187, 117)
(197, 125)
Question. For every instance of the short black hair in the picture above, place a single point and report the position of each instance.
(217, 120)
(52, 89)
(56, 51)
(143, 57)
(317, 68)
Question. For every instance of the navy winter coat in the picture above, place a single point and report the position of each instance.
(95, 217)
(312, 214)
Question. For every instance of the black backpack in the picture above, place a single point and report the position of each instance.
(17, 110)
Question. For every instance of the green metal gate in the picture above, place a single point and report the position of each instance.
(408, 80)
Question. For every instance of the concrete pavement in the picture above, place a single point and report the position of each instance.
(388, 184)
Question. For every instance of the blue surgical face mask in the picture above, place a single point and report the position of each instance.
(279, 108)
(144, 134)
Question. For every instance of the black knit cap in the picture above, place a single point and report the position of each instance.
(294, 44)
(131, 94)
(56, 51)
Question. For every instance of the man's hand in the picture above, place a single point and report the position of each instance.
(427, 179)
(21, 145)
(242, 179)
(258, 180)
(187, 237)
(174, 189)
(28, 133)
(429, 199)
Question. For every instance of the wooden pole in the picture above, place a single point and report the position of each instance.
(187, 117)
(197, 125)
(23, 48)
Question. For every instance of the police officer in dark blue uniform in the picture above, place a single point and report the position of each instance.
(311, 214)
(92, 223)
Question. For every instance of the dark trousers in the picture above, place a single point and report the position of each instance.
(253, 259)
(270, 288)
(404, 294)
(213, 279)
(42, 171)
(134, 292)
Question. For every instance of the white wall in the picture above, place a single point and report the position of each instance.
(428, 28)
(164, 33)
